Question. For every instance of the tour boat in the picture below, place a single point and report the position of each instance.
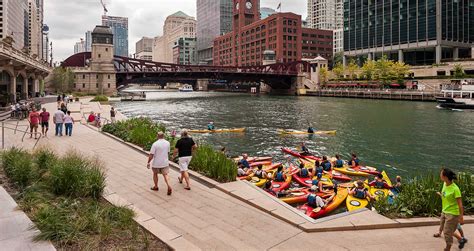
(186, 88)
(459, 94)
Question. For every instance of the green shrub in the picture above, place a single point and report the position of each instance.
(213, 164)
(100, 98)
(76, 176)
(44, 159)
(18, 166)
(419, 198)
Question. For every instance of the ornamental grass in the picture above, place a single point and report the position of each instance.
(213, 164)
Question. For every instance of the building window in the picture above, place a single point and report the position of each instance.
(106, 49)
(97, 85)
(83, 85)
(108, 85)
(99, 55)
(83, 76)
(97, 76)
(108, 76)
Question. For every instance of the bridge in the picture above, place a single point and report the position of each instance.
(280, 76)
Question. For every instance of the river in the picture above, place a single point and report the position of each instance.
(404, 138)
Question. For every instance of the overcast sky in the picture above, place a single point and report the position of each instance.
(68, 20)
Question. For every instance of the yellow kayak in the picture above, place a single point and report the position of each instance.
(381, 192)
(353, 203)
(281, 131)
(218, 130)
(350, 171)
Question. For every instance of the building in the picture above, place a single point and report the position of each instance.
(80, 46)
(98, 76)
(266, 12)
(281, 33)
(144, 49)
(119, 26)
(45, 43)
(184, 51)
(328, 15)
(88, 42)
(35, 25)
(416, 32)
(14, 19)
(214, 18)
(178, 25)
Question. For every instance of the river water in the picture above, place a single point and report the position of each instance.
(401, 137)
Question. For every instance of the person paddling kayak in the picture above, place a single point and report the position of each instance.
(354, 161)
(211, 126)
(311, 129)
(339, 162)
(304, 150)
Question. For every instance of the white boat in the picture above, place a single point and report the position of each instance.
(186, 88)
(459, 94)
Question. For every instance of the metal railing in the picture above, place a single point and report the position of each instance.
(14, 128)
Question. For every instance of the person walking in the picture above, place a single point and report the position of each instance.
(44, 117)
(34, 119)
(452, 209)
(58, 119)
(112, 114)
(184, 148)
(68, 122)
(159, 154)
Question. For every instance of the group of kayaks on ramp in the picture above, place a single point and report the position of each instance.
(211, 128)
(318, 185)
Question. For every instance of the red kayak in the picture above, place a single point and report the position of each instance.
(267, 166)
(278, 186)
(263, 163)
(339, 176)
(298, 155)
(300, 196)
(306, 182)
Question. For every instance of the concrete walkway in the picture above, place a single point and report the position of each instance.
(211, 219)
(15, 227)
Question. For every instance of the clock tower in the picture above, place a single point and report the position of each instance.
(245, 13)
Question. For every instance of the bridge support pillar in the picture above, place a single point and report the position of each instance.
(298, 85)
(202, 84)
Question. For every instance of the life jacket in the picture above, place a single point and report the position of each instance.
(210, 127)
(326, 166)
(339, 163)
(310, 130)
(259, 174)
(311, 199)
(279, 177)
(319, 170)
(360, 193)
(379, 184)
(315, 182)
(304, 173)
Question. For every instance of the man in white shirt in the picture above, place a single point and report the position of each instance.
(159, 153)
(58, 119)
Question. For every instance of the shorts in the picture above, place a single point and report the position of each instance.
(184, 163)
(33, 126)
(45, 124)
(161, 170)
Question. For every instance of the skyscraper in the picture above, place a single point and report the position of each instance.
(88, 45)
(35, 27)
(178, 25)
(328, 15)
(144, 48)
(14, 19)
(45, 43)
(119, 26)
(79, 47)
(214, 18)
(416, 32)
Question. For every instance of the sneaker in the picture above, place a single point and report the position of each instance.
(462, 242)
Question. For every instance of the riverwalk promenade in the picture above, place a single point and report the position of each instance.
(206, 218)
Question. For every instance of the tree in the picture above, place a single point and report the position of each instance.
(63, 79)
(368, 69)
(338, 58)
(383, 70)
(399, 70)
(323, 75)
(459, 71)
(352, 68)
(338, 71)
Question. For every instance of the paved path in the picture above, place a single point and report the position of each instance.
(213, 220)
(15, 232)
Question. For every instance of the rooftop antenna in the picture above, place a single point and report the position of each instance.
(104, 6)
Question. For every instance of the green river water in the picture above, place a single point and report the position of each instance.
(401, 137)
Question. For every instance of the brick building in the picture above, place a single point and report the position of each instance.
(280, 32)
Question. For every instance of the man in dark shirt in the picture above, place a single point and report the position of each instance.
(184, 148)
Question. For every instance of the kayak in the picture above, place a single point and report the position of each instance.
(263, 163)
(268, 167)
(278, 186)
(353, 203)
(367, 169)
(298, 155)
(257, 181)
(350, 171)
(339, 176)
(337, 200)
(381, 192)
(300, 196)
(253, 159)
(218, 130)
(306, 181)
(282, 131)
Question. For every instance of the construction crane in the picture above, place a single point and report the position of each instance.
(105, 8)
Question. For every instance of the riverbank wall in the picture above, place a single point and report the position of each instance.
(376, 94)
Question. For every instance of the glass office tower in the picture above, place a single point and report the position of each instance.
(418, 32)
(214, 18)
(119, 27)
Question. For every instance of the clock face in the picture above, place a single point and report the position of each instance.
(248, 5)
(237, 6)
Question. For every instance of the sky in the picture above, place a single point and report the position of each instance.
(68, 20)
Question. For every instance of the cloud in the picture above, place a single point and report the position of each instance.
(68, 20)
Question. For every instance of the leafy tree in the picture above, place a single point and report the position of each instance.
(323, 75)
(63, 79)
(400, 70)
(338, 58)
(369, 70)
(338, 71)
(459, 71)
(383, 70)
(352, 68)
